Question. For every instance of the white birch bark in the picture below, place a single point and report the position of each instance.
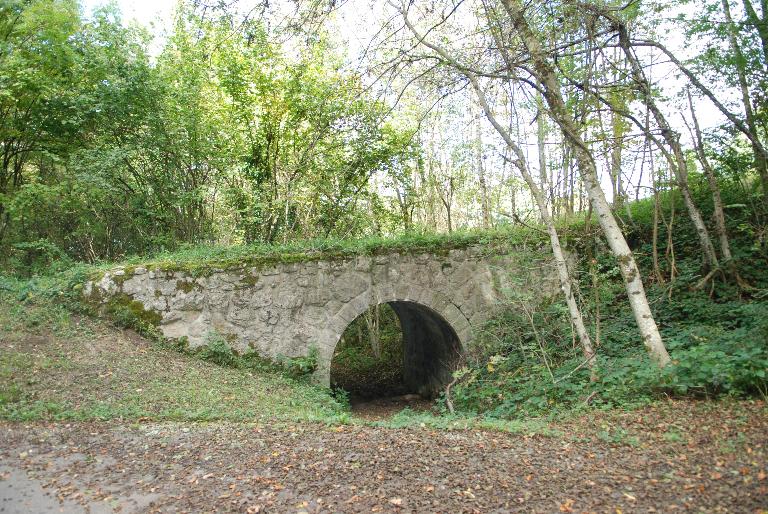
(714, 188)
(672, 138)
(561, 264)
(563, 273)
(618, 244)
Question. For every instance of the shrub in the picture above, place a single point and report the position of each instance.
(299, 367)
(218, 351)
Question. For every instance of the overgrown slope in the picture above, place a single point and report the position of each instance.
(527, 362)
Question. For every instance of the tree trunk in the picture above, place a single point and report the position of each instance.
(656, 212)
(678, 164)
(446, 197)
(761, 154)
(761, 163)
(616, 147)
(372, 318)
(714, 188)
(479, 162)
(561, 264)
(655, 243)
(562, 267)
(540, 139)
(616, 241)
(761, 24)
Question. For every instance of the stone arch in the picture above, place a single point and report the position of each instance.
(435, 333)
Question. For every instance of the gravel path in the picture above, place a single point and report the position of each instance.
(704, 457)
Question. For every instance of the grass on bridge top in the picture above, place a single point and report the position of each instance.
(201, 257)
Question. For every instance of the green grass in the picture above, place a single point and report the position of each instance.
(408, 418)
(58, 366)
(200, 258)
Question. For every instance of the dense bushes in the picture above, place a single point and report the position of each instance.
(710, 358)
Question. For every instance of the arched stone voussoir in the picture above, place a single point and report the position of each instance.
(455, 317)
(326, 344)
(466, 335)
(356, 306)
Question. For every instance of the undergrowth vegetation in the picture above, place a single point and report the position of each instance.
(527, 363)
(44, 258)
(57, 364)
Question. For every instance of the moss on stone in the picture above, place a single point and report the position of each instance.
(119, 280)
(95, 297)
(205, 261)
(185, 285)
(249, 280)
(129, 312)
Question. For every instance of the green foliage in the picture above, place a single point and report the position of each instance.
(722, 356)
(41, 256)
(301, 366)
(129, 313)
(217, 350)
(359, 369)
(224, 136)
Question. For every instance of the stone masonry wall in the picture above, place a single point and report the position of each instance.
(287, 308)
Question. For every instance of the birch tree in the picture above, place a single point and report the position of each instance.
(520, 162)
(544, 71)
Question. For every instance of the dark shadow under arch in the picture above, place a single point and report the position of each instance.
(431, 350)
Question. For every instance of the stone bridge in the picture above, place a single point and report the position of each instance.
(284, 309)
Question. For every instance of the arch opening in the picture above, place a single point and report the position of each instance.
(393, 349)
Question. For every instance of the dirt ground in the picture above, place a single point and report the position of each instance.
(681, 456)
(379, 409)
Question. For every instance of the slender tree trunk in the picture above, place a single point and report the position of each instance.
(447, 205)
(513, 199)
(562, 266)
(655, 243)
(618, 130)
(480, 164)
(656, 213)
(761, 153)
(714, 188)
(4, 219)
(372, 322)
(761, 24)
(616, 241)
(542, 151)
(678, 164)
(670, 252)
(616, 148)
(446, 197)
(561, 263)
(567, 181)
(761, 163)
